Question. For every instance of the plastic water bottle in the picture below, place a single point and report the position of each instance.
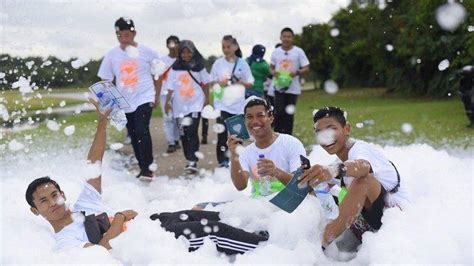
(117, 116)
(330, 208)
(265, 183)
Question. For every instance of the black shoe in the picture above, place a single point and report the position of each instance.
(176, 145)
(171, 149)
(191, 168)
(204, 140)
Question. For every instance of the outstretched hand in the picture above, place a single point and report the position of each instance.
(102, 115)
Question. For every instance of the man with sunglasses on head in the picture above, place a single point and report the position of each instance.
(130, 66)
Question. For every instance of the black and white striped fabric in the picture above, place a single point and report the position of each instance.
(196, 226)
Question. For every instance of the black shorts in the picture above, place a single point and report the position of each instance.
(374, 216)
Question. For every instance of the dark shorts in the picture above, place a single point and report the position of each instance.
(374, 216)
(370, 220)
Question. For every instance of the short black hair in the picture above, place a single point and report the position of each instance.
(124, 24)
(258, 101)
(35, 184)
(287, 29)
(173, 38)
(331, 111)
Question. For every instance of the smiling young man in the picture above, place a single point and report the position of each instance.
(372, 180)
(73, 230)
(272, 155)
(46, 199)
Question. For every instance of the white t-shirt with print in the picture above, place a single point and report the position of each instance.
(74, 234)
(222, 69)
(168, 62)
(285, 153)
(133, 76)
(188, 96)
(290, 61)
(382, 169)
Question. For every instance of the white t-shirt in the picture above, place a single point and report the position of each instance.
(133, 76)
(290, 61)
(188, 96)
(222, 69)
(285, 153)
(74, 234)
(382, 169)
(169, 62)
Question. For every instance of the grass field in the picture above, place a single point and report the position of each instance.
(14, 101)
(436, 122)
(439, 123)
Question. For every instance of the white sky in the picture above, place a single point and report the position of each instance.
(86, 28)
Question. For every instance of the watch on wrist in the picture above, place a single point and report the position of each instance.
(342, 170)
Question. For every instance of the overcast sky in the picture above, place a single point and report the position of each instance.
(85, 28)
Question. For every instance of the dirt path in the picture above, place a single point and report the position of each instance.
(172, 164)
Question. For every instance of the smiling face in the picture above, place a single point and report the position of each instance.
(186, 55)
(258, 121)
(228, 48)
(49, 202)
(286, 38)
(331, 135)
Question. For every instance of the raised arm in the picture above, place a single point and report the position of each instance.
(97, 149)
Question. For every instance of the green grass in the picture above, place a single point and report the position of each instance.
(437, 122)
(14, 101)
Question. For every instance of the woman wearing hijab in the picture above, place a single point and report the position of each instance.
(228, 70)
(188, 84)
(260, 71)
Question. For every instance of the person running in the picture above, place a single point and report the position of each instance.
(169, 123)
(228, 70)
(288, 63)
(91, 222)
(260, 71)
(130, 65)
(188, 92)
(373, 181)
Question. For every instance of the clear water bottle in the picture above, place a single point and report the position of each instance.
(117, 116)
(330, 208)
(266, 182)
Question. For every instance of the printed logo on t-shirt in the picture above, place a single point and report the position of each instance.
(128, 73)
(286, 64)
(186, 89)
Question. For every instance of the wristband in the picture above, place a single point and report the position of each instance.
(342, 171)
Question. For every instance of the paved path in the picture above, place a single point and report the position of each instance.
(172, 164)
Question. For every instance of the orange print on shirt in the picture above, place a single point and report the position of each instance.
(128, 73)
(286, 64)
(186, 89)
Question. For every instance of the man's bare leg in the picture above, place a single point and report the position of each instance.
(362, 193)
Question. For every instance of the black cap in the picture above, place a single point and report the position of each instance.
(124, 24)
(172, 38)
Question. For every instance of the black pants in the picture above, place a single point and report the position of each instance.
(205, 127)
(283, 120)
(189, 135)
(138, 126)
(269, 98)
(197, 225)
(221, 147)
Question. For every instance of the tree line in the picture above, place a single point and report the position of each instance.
(399, 47)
